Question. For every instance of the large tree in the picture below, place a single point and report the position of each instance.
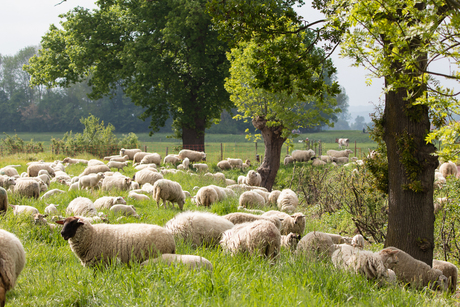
(165, 54)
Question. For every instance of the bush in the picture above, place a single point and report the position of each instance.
(14, 144)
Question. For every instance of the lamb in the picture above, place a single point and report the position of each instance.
(94, 244)
(260, 237)
(241, 217)
(81, 206)
(23, 209)
(288, 160)
(417, 273)
(27, 188)
(326, 159)
(290, 223)
(318, 162)
(339, 153)
(273, 197)
(168, 190)
(106, 202)
(290, 241)
(39, 219)
(200, 167)
(448, 169)
(129, 152)
(34, 168)
(118, 158)
(90, 181)
(138, 196)
(171, 159)
(151, 166)
(342, 142)
(6, 181)
(229, 181)
(340, 160)
(69, 160)
(287, 201)
(217, 176)
(191, 261)
(95, 162)
(3, 201)
(186, 163)
(235, 163)
(224, 165)
(264, 194)
(125, 210)
(253, 178)
(12, 259)
(302, 155)
(450, 271)
(9, 171)
(151, 158)
(200, 228)
(358, 241)
(439, 180)
(316, 245)
(147, 176)
(206, 196)
(95, 169)
(116, 182)
(192, 155)
(51, 210)
(251, 199)
(117, 165)
(51, 192)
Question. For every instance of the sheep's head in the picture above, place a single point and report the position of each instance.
(389, 257)
(71, 225)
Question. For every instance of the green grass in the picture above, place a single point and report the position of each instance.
(53, 276)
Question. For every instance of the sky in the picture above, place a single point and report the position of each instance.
(23, 22)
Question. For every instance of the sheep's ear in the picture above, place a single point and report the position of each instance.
(60, 222)
(46, 215)
(81, 221)
(12, 206)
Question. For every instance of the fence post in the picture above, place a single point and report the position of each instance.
(320, 148)
(145, 148)
(166, 150)
(356, 153)
(221, 152)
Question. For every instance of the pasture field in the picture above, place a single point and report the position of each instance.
(53, 275)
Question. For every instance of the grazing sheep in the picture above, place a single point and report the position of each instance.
(95, 169)
(417, 273)
(288, 160)
(118, 165)
(140, 155)
(116, 182)
(151, 166)
(147, 176)
(151, 158)
(70, 160)
(224, 165)
(326, 159)
(3, 200)
(6, 181)
(250, 199)
(43, 186)
(264, 194)
(450, 271)
(23, 209)
(342, 254)
(318, 162)
(95, 162)
(289, 223)
(273, 197)
(51, 192)
(229, 181)
(137, 196)
(129, 152)
(199, 228)
(200, 167)
(168, 190)
(34, 168)
(206, 196)
(9, 171)
(12, 260)
(342, 142)
(290, 241)
(26, 188)
(260, 237)
(191, 261)
(90, 181)
(192, 155)
(448, 169)
(118, 158)
(339, 153)
(125, 210)
(287, 201)
(302, 155)
(106, 202)
(235, 163)
(316, 245)
(94, 244)
(51, 210)
(81, 206)
(241, 217)
(171, 159)
(253, 211)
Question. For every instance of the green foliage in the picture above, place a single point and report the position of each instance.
(14, 144)
(406, 148)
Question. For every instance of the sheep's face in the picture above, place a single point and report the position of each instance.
(389, 257)
(120, 200)
(71, 225)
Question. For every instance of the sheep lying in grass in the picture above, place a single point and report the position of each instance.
(106, 202)
(253, 178)
(290, 241)
(199, 228)
(316, 245)
(287, 201)
(34, 168)
(138, 196)
(190, 261)
(70, 160)
(450, 271)
(260, 238)
(51, 209)
(339, 153)
(51, 192)
(147, 176)
(373, 265)
(116, 182)
(273, 197)
(151, 158)
(24, 209)
(235, 163)
(168, 190)
(224, 165)
(250, 199)
(3, 200)
(12, 260)
(81, 206)
(118, 158)
(94, 244)
(417, 273)
(125, 210)
(39, 219)
(289, 223)
(241, 217)
(192, 155)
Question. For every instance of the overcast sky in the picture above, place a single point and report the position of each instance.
(23, 22)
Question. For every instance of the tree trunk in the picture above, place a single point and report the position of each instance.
(411, 168)
(273, 142)
(193, 137)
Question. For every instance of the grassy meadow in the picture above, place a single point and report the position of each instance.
(53, 275)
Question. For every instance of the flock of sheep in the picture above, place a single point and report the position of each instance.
(250, 230)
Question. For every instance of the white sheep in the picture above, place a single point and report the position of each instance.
(3, 200)
(168, 190)
(26, 188)
(81, 206)
(42, 185)
(200, 167)
(171, 159)
(106, 202)
(147, 176)
(24, 209)
(273, 197)
(318, 162)
(290, 241)
(206, 196)
(199, 228)
(260, 238)
(125, 210)
(343, 142)
(51, 192)
(288, 160)
(439, 180)
(186, 163)
(224, 165)
(235, 163)
(289, 223)
(340, 160)
(94, 244)
(12, 260)
(253, 178)
(33, 169)
(138, 196)
(70, 160)
(95, 169)
(39, 219)
(90, 181)
(450, 271)
(95, 162)
(192, 155)
(6, 181)
(190, 261)
(118, 158)
(51, 209)
(326, 158)
(129, 152)
(151, 158)
(151, 166)
(339, 153)
(250, 199)
(316, 245)
(118, 165)
(241, 217)
(287, 201)
(448, 169)
(9, 171)
(302, 155)
(116, 182)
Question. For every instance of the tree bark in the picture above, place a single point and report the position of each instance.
(273, 142)
(411, 216)
(193, 137)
